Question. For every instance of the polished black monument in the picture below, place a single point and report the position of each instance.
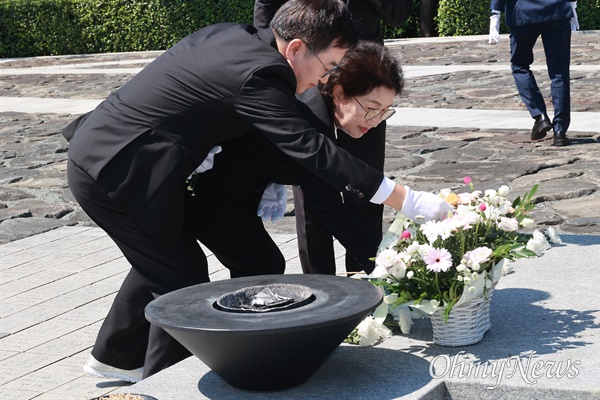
(268, 332)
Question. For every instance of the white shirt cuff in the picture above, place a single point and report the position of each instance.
(385, 190)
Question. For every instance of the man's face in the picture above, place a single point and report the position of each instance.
(310, 68)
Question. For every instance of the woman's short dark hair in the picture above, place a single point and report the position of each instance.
(365, 67)
(319, 23)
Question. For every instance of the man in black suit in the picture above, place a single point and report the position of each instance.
(224, 217)
(315, 243)
(128, 157)
(553, 20)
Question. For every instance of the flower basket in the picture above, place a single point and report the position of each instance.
(466, 323)
(447, 269)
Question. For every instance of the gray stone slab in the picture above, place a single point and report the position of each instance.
(20, 342)
(39, 381)
(535, 316)
(68, 344)
(14, 229)
(29, 362)
(84, 387)
(62, 396)
(14, 394)
(588, 207)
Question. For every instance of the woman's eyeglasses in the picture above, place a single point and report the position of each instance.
(371, 113)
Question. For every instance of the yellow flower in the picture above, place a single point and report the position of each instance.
(452, 199)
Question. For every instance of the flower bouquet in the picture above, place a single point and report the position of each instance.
(436, 268)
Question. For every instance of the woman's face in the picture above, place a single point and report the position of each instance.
(350, 116)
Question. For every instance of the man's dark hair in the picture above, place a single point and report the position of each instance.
(364, 67)
(318, 23)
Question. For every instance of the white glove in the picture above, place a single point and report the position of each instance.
(574, 21)
(209, 161)
(424, 204)
(273, 202)
(494, 27)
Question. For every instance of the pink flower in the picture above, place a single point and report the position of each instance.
(482, 207)
(405, 234)
(438, 260)
(467, 180)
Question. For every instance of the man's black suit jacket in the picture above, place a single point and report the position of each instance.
(217, 84)
(246, 165)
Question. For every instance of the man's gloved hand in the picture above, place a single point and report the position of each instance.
(273, 202)
(424, 204)
(494, 27)
(574, 21)
(209, 161)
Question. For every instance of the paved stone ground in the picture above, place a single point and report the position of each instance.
(459, 115)
(447, 75)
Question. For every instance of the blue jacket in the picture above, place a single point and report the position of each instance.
(524, 12)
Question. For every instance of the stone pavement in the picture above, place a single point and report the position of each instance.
(459, 115)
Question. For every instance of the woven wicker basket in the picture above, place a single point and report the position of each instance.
(466, 323)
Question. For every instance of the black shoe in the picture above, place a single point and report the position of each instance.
(560, 139)
(540, 127)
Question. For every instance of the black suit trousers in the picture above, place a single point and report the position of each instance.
(126, 339)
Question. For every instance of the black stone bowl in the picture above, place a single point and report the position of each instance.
(265, 351)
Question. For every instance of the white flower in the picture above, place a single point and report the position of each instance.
(465, 198)
(371, 332)
(380, 272)
(505, 207)
(432, 230)
(553, 235)
(413, 248)
(538, 243)
(509, 224)
(471, 289)
(490, 193)
(492, 212)
(423, 250)
(446, 227)
(390, 298)
(527, 223)
(404, 257)
(503, 190)
(398, 270)
(478, 255)
(507, 269)
(404, 320)
(386, 258)
(410, 274)
(444, 193)
(465, 218)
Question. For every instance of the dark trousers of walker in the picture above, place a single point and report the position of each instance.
(315, 242)
(556, 38)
